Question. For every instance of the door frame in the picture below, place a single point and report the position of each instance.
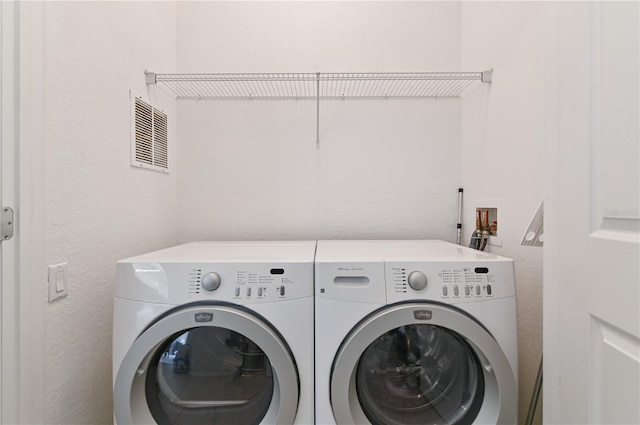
(24, 277)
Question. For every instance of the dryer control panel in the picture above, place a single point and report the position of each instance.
(449, 282)
(177, 283)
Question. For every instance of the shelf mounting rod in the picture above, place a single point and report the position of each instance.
(317, 110)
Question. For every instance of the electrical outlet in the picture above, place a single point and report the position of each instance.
(58, 278)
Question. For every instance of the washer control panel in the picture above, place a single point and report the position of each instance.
(450, 282)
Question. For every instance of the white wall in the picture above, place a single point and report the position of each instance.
(98, 208)
(385, 169)
(318, 36)
(502, 156)
(250, 170)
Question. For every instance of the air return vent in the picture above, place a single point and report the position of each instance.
(149, 135)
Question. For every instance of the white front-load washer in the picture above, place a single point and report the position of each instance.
(414, 332)
(215, 333)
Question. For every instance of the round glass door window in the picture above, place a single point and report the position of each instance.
(420, 374)
(209, 375)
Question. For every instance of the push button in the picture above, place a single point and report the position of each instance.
(445, 291)
(478, 289)
(260, 291)
(282, 290)
(467, 290)
(456, 291)
(248, 291)
(489, 290)
(237, 291)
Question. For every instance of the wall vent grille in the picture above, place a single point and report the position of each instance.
(149, 136)
(160, 153)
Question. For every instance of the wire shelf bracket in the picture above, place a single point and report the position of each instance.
(319, 85)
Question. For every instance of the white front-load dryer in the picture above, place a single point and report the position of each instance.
(414, 332)
(215, 333)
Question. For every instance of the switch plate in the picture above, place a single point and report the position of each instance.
(58, 279)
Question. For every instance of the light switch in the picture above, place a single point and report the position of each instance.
(57, 279)
(61, 284)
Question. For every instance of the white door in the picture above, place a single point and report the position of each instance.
(1, 139)
(22, 277)
(592, 215)
(8, 336)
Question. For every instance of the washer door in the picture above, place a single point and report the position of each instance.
(213, 364)
(419, 363)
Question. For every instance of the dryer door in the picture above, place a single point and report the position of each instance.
(213, 364)
(419, 363)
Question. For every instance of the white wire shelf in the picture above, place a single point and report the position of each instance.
(319, 85)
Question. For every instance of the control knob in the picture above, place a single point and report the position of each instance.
(417, 280)
(210, 281)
